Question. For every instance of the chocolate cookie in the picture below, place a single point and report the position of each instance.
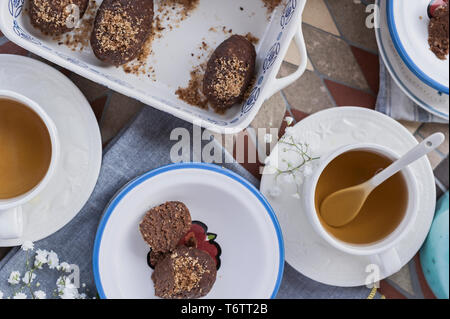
(184, 274)
(229, 72)
(55, 17)
(438, 32)
(121, 29)
(163, 226)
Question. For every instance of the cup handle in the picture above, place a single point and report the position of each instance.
(389, 261)
(11, 223)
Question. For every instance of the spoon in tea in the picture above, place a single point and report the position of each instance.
(341, 207)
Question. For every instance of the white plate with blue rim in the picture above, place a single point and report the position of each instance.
(408, 25)
(430, 99)
(232, 211)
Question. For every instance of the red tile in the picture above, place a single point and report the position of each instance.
(1, 34)
(65, 72)
(347, 96)
(298, 115)
(248, 157)
(370, 67)
(11, 48)
(98, 106)
(427, 292)
(283, 125)
(390, 292)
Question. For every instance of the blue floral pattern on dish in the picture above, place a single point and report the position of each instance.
(15, 7)
(251, 101)
(288, 13)
(271, 56)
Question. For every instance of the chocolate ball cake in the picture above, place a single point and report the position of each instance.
(438, 32)
(229, 72)
(121, 29)
(55, 17)
(163, 226)
(184, 274)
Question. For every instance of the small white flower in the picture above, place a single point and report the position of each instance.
(275, 191)
(28, 277)
(27, 245)
(69, 292)
(1, 295)
(39, 294)
(41, 258)
(83, 285)
(38, 284)
(307, 170)
(20, 295)
(14, 278)
(268, 138)
(53, 260)
(289, 120)
(64, 267)
(288, 178)
(82, 296)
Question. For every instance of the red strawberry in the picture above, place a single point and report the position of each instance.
(433, 5)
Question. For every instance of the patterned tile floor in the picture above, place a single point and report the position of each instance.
(342, 70)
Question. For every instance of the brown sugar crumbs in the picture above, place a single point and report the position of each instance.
(44, 13)
(251, 38)
(229, 77)
(188, 273)
(193, 93)
(116, 32)
(271, 4)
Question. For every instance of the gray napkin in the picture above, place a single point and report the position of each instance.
(141, 147)
(393, 102)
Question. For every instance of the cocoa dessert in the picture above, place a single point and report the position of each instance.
(164, 225)
(438, 32)
(121, 29)
(55, 17)
(184, 274)
(229, 72)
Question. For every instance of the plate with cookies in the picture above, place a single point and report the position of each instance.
(186, 231)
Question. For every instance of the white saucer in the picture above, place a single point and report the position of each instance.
(81, 148)
(422, 94)
(324, 132)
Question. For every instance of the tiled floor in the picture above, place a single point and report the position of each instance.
(342, 71)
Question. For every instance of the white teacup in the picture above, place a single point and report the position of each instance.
(11, 219)
(382, 252)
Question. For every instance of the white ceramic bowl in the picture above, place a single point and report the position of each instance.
(172, 60)
(252, 250)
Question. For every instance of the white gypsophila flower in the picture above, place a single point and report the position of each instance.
(307, 170)
(289, 120)
(69, 292)
(1, 294)
(288, 179)
(64, 267)
(268, 138)
(275, 191)
(27, 245)
(53, 260)
(20, 295)
(39, 294)
(82, 296)
(41, 258)
(28, 277)
(83, 285)
(14, 278)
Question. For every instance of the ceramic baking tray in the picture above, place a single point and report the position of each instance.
(176, 53)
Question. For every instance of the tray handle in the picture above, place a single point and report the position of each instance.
(279, 84)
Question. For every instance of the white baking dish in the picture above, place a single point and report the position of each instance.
(172, 59)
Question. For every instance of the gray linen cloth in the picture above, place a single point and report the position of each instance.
(393, 102)
(143, 146)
